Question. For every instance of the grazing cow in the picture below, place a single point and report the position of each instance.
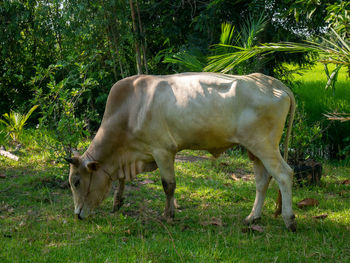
(148, 119)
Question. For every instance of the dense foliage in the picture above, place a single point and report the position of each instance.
(64, 55)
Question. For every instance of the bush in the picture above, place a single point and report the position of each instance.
(62, 105)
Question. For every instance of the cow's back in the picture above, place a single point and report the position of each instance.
(198, 110)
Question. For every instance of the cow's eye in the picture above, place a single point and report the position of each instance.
(77, 183)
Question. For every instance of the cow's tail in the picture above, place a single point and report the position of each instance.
(290, 124)
(278, 210)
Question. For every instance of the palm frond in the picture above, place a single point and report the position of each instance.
(26, 116)
(192, 62)
(14, 122)
(334, 51)
(228, 36)
(251, 27)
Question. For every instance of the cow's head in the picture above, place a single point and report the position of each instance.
(90, 185)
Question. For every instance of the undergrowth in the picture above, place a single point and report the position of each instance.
(310, 93)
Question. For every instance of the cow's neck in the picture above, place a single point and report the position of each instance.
(115, 158)
(105, 153)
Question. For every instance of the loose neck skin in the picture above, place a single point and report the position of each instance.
(103, 151)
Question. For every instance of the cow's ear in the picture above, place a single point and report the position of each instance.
(92, 166)
(74, 160)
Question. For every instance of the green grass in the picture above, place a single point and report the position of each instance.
(311, 90)
(310, 93)
(37, 222)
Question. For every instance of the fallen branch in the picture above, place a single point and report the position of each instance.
(338, 116)
(9, 155)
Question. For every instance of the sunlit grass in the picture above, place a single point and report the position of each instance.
(310, 89)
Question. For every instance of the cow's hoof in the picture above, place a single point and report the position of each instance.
(251, 220)
(115, 210)
(117, 205)
(291, 224)
(169, 214)
(293, 227)
(168, 220)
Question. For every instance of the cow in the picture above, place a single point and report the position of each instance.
(149, 118)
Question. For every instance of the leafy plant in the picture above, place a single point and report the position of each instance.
(61, 100)
(14, 123)
(339, 17)
(193, 61)
(230, 38)
(306, 138)
(232, 42)
(334, 49)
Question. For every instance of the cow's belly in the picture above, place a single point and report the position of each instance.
(203, 131)
(204, 137)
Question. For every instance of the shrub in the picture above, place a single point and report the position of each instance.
(61, 104)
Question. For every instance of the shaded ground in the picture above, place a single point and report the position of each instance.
(190, 158)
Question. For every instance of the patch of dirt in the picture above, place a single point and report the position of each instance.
(236, 174)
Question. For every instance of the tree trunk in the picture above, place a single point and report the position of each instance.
(143, 40)
(137, 47)
(113, 44)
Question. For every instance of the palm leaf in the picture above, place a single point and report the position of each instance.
(24, 118)
(192, 62)
(228, 36)
(333, 51)
(15, 122)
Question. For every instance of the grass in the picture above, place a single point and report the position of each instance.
(310, 93)
(37, 222)
(311, 90)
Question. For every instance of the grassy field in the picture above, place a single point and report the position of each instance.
(37, 222)
(310, 88)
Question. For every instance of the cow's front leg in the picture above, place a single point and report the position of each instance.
(118, 198)
(262, 180)
(165, 163)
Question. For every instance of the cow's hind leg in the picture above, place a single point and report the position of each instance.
(165, 163)
(279, 169)
(118, 199)
(262, 179)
